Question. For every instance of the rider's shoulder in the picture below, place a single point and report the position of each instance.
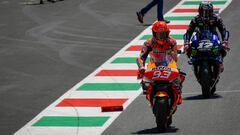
(217, 17)
(148, 42)
(197, 17)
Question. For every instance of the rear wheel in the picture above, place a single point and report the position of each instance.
(205, 80)
(161, 111)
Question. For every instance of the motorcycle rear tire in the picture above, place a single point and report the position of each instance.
(161, 111)
(205, 80)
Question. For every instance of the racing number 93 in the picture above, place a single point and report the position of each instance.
(159, 74)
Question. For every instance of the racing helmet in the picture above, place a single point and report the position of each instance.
(205, 9)
(160, 32)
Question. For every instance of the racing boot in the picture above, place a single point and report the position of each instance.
(53, 1)
(178, 87)
(221, 67)
(166, 21)
(140, 17)
(144, 88)
(182, 78)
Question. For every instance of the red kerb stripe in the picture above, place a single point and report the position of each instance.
(134, 48)
(179, 47)
(184, 27)
(117, 73)
(185, 10)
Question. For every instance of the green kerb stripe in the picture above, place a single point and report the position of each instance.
(145, 37)
(177, 37)
(179, 18)
(126, 60)
(198, 2)
(109, 87)
(63, 121)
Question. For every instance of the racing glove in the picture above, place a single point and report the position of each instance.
(186, 49)
(186, 46)
(141, 72)
(225, 45)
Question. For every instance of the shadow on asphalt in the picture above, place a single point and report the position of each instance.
(200, 97)
(37, 2)
(155, 131)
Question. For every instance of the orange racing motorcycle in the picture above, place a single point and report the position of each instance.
(163, 90)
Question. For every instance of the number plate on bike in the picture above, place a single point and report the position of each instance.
(161, 74)
(205, 45)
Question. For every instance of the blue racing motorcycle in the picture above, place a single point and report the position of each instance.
(205, 56)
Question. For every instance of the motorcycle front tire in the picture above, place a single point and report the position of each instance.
(205, 80)
(161, 111)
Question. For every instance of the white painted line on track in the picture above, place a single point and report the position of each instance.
(181, 14)
(120, 66)
(139, 42)
(181, 31)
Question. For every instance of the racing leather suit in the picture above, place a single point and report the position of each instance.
(153, 48)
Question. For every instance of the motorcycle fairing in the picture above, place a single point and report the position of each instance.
(205, 49)
(162, 75)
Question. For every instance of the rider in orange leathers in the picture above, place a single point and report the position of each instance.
(161, 42)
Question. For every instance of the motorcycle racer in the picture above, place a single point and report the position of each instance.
(160, 43)
(207, 20)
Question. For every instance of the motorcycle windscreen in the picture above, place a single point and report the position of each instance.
(164, 59)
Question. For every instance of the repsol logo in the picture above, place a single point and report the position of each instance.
(157, 51)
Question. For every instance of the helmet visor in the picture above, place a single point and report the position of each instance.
(162, 35)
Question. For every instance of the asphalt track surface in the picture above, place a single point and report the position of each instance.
(46, 49)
